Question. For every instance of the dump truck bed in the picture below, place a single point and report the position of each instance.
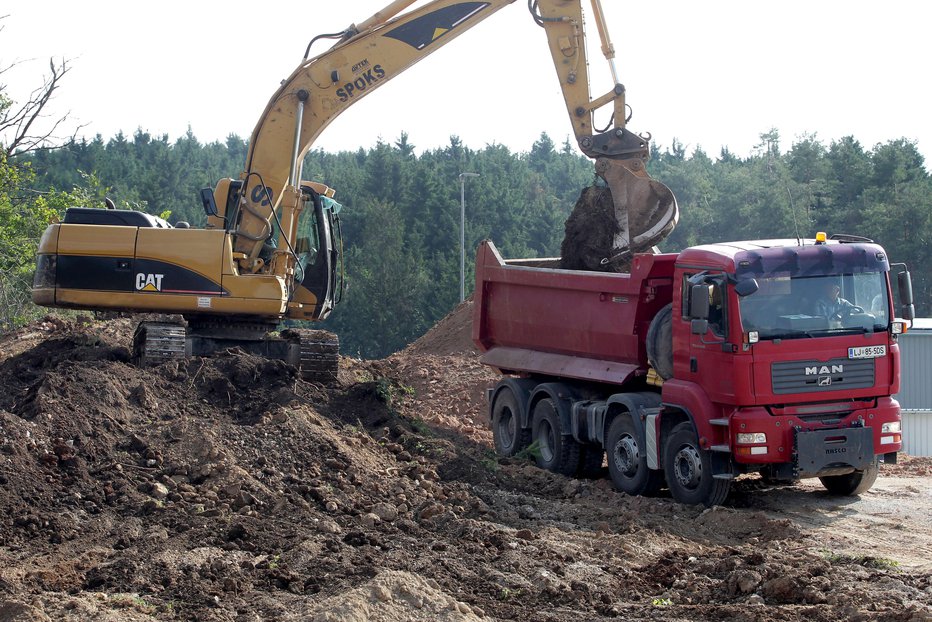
(529, 319)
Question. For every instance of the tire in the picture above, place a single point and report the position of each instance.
(591, 457)
(852, 483)
(507, 434)
(688, 469)
(627, 461)
(659, 342)
(555, 451)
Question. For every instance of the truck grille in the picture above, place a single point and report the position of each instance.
(815, 376)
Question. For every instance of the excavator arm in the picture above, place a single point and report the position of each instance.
(383, 46)
(645, 209)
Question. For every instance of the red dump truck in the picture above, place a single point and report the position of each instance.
(778, 357)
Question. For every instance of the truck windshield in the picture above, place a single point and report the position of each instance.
(787, 306)
(814, 289)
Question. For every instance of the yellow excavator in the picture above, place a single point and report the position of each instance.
(271, 249)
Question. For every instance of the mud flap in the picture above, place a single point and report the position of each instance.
(819, 450)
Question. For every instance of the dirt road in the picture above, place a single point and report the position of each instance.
(228, 489)
(892, 521)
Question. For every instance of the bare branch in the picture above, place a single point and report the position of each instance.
(27, 126)
(21, 120)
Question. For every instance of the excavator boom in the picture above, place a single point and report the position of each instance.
(383, 46)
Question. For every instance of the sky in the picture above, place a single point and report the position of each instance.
(707, 74)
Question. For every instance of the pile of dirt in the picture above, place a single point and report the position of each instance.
(589, 233)
(452, 335)
(230, 489)
(909, 466)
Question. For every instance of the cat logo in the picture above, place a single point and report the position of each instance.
(149, 282)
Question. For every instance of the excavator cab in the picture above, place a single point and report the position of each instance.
(317, 247)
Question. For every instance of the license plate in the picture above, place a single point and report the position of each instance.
(867, 352)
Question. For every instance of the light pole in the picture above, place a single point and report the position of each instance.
(463, 177)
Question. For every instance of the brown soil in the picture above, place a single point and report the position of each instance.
(229, 489)
(589, 233)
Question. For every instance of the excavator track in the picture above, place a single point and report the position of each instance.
(320, 354)
(316, 356)
(157, 342)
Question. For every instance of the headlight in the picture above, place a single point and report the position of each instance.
(751, 438)
(890, 427)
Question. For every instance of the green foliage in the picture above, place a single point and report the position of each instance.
(883, 194)
(420, 426)
(868, 561)
(506, 594)
(390, 391)
(489, 461)
(531, 452)
(23, 217)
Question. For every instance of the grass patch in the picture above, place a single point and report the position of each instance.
(868, 561)
(531, 452)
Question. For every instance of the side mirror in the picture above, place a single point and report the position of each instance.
(699, 301)
(905, 286)
(210, 206)
(746, 287)
(699, 327)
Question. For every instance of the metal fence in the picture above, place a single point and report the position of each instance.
(15, 284)
(915, 394)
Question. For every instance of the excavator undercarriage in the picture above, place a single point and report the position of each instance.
(314, 352)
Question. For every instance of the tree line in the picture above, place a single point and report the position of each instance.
(401, 214)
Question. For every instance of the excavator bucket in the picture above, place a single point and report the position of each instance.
(645, 209)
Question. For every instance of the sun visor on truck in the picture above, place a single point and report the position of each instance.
(812, 260)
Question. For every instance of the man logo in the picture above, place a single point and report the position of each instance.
(825, 381)
(824, 369)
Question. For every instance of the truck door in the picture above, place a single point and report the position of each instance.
(711, 354)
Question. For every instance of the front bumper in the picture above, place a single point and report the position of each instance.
(818, 451)
(814, 443)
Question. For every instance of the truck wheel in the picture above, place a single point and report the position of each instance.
(689, 469)
(627, 462)
(555, 452)
(852, 483)
(508, 435)
(659, 342)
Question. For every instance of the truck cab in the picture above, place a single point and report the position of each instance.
(788, 357)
